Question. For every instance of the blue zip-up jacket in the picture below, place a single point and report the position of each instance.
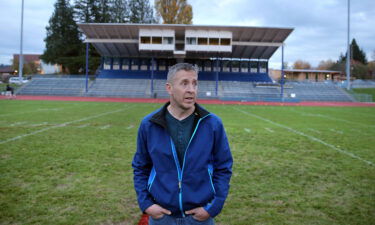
(202, 180)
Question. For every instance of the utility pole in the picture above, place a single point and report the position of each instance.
(348, 54)
(20, 58)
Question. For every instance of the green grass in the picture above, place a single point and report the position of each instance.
(369, 91)
(74, 167)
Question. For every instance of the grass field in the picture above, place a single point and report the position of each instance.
(70, 163)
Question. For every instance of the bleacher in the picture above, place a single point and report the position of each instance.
(66, 86)
(227, 90)
(131, 88)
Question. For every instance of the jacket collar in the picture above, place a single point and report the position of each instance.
(159, 117)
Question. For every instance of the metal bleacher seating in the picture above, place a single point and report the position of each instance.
(54, 86)
(227, 90)
(132, 88)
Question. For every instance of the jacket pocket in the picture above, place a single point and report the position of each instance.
(151, 179)
(210, 172)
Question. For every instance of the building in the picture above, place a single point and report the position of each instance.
(311, 75)
(222, 53)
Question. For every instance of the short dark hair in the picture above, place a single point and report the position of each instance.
(180, 66)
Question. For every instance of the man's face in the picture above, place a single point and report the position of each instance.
(183, 89)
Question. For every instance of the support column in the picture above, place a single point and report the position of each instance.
(216, 77)
(152, 76)
(87, 66)
(282, 73)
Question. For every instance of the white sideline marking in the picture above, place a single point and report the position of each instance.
(83, 125)
(37, 110)
(308, 136)
(38, 124)
(105, 127)
(60, 125)
(130, 127)
(269, 129)
(247, 130)
(336, 131)
(313, 130)
(17, 123)
(330, 118)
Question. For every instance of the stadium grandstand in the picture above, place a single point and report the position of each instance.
(232, 60)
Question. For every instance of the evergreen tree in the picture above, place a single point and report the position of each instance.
(63, 45)
(120, 11)
(356, 53)
(140, 12)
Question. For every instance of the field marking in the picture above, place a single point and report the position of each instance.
(330, 118)
(105, 127)
(247, 130)
(39, 124)
(130, 127)
(336, 131)
(84, 125)
(269, 130)
(17, 124)
(62, 125)
(313, 130)
(308, 136)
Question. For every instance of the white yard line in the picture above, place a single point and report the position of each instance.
(313, 130)
(269, 130)
(105, 127)
(336, 131)
(308, 136)
(61, 125)
(330, 118)
(130, 127)
(84, 125)
(247, 130)
(17, 124)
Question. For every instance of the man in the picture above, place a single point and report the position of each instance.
(183, 164)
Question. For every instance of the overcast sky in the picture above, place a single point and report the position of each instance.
(319, 25)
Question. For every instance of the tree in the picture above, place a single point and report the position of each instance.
(325, 64)
(373, 55)
(120, 11)
(140, 12)
(356, 53)
(63, 45)
(300, 64)
(28, 68)
(174, 11)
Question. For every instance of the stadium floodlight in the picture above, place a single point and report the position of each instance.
(348, 51)
(20, 58)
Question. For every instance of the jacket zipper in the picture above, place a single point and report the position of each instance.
(179, 170)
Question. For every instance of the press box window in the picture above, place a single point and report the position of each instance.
(225, 41)
(156, 40)
(214, 41)
(191, 41)
(145, 40)
(202, 41)
(168, 40)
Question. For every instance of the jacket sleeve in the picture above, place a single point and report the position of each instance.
(222, 170)
(142, 165)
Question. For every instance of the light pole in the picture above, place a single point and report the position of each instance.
(348, 52)
(20, 59)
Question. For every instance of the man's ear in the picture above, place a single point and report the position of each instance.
(168, 87)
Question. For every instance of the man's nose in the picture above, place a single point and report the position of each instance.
(191, 88)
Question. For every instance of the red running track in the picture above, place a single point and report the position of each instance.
(202, 101)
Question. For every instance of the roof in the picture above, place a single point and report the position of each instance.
(121, 40)
(310, 71)
(27, 57)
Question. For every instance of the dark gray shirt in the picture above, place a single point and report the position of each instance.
(180, 132)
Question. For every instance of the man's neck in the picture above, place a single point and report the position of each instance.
(179, 113)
